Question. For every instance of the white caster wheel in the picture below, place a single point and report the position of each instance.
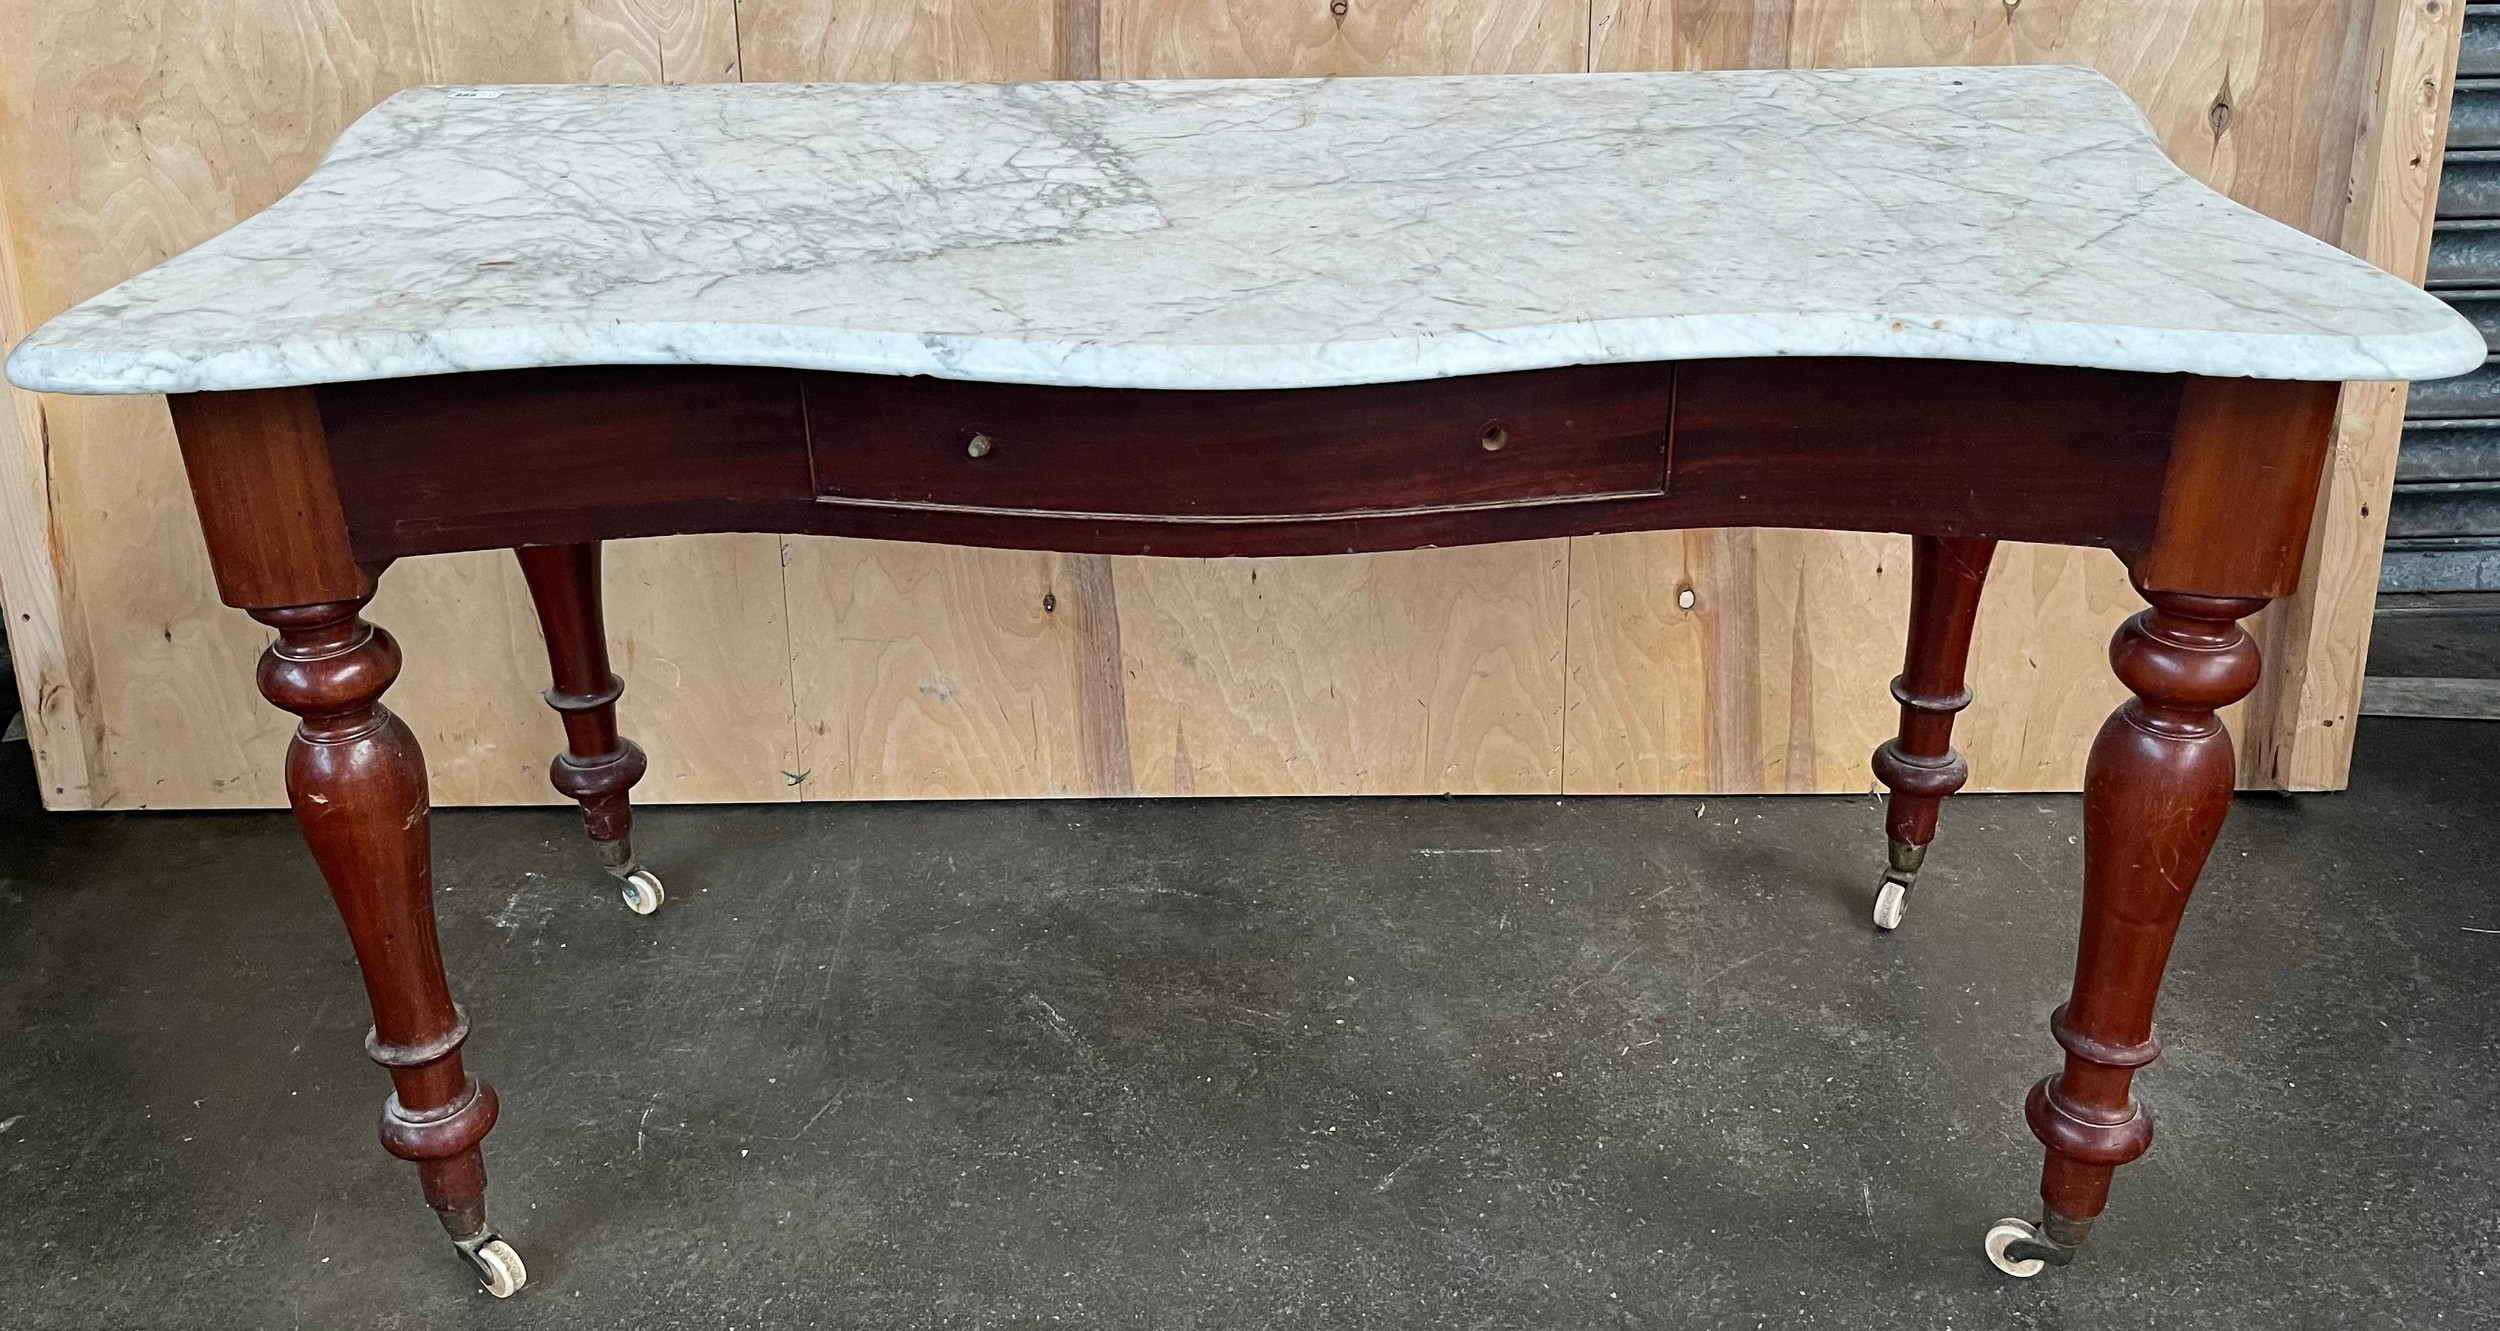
(642, 891)
(498, 1266)
(2006, 1233)
(1892, 901)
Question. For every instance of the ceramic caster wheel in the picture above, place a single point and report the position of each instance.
(2003, 1235)
(498, 1266)
(642, 891)
(1892, 900)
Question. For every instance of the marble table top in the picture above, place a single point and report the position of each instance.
(1251, 234)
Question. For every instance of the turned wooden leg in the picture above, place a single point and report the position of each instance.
(598, 767)
(2155, 791)
(1920, 765)
(357, 782)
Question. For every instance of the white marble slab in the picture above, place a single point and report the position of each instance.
(1257, 234)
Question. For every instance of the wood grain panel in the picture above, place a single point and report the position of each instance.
(1416, 673)
(182, 725)
(1195, 39)
(876, 40)
(934, 672)
(2318, 640)
(44, 622)
(1654, 616)
(1689, 34)
(1731, 661)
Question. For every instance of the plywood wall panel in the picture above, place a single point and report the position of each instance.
(1689, 34)
(2322, 632)
(1735, 661)
(879, 40)
(183, 725)
(1417, 673)
(931, 672)
(1272, 38)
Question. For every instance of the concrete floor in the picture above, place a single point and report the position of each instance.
(1307, 1063)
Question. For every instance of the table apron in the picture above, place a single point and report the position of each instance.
(1942, 448)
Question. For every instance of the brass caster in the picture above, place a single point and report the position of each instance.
(1892, 900)
(499, 1268)
(2002, 1236)
(637, 885)
(2022, 1249)
(641, 889)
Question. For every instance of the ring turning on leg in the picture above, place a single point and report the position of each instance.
(2156, 789)
(1920, 766)
(357, 783)
(598, 767)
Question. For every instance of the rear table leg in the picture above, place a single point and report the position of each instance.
(598, 767)
(1920, 766)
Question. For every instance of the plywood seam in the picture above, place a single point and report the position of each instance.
(1570, 610)
(797, 753)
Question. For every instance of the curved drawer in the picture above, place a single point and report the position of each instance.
(1491, 441)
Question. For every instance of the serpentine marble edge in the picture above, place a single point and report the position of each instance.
(1251, 234)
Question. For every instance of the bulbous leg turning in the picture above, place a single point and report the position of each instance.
(357, 783)
(598, 767)
(2156, 789)
(1920, 765)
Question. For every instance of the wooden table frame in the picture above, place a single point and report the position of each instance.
(2204, 486)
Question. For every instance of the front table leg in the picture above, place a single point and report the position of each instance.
(357, 782)
(2155, 791)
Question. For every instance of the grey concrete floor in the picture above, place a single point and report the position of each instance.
(1307, 1063)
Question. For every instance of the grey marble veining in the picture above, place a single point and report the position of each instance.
(1251, 234)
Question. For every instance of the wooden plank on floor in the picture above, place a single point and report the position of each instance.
(2452, 699)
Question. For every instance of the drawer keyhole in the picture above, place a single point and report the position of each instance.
(1494, 438)
(978, 446)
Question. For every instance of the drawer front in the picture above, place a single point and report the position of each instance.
(1488, 441)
